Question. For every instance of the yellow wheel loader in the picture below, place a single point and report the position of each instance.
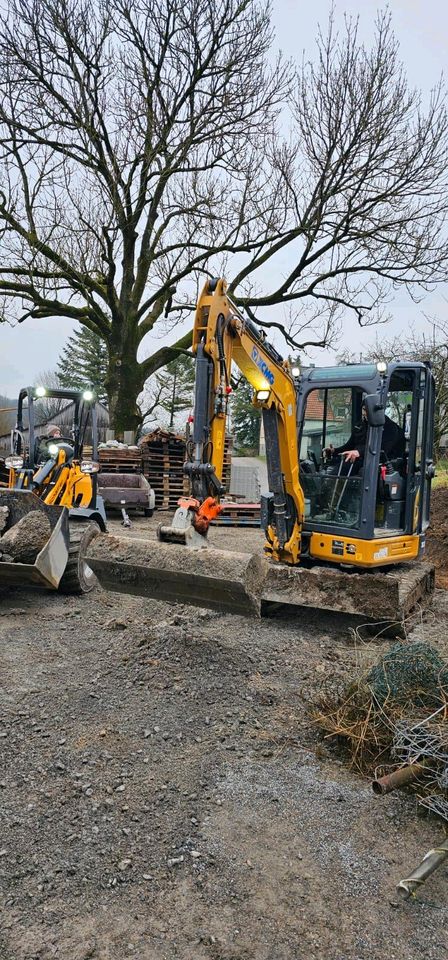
(349, 458)
(51, 509)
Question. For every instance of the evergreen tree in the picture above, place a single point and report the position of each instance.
(174, 384)
(83, 363)
(246, 419)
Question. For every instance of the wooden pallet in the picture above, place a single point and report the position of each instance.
(238, 515)
(163, 457)
(120, 461)
(227, 463)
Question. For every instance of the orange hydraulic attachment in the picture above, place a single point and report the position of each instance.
(203, 513)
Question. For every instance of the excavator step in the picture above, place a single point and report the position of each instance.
(248, 584)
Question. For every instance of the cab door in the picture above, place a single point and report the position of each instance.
(420, 466)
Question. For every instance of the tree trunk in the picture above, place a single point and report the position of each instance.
(124, 383)
(173, 399)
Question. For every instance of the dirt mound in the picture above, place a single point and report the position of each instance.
(437, 538)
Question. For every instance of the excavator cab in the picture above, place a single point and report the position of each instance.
(373, 509)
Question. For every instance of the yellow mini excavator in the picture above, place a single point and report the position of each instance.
(349, 459)
(51, 508)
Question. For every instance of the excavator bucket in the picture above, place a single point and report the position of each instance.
(204, 577)
(49, 565)
(249, 585)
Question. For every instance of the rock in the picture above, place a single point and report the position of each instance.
(85, 951)
(26, 538)
(4, 514)
(12, 611)
(174, 861)
(125, 864)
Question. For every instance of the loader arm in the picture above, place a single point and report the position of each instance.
(221, 336)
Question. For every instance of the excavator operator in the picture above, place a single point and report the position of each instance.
(392, 444)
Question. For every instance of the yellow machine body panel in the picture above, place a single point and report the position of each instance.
(71, 487)
(355, 552)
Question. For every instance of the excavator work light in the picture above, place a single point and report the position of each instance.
(87, 395)
(40, 392)
(14, 463)
(89, 466)
(262, 395)
(53, 449)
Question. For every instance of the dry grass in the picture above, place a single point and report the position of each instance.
(403, 724)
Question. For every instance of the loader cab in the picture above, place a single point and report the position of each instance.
(36, 461)
(83, 416)
(386, 413)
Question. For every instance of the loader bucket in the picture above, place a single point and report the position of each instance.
(51, 562)
(228, 582)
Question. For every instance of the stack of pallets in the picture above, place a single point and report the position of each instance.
(120, 460)
(4, 474)
(227, 464)
(238, 515)
(163, 456)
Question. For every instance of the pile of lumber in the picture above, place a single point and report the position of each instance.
(120, 459)
(227, 464)
(163, 456)
(238, 515)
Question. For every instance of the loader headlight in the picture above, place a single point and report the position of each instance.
(14, 463)
(87, 395)
(381, 366)
(40, 392)
(262, 395)
(53, 449)
(89, 466)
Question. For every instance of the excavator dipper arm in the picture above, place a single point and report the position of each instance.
(222, 336)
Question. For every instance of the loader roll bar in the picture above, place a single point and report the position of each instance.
(77, 397)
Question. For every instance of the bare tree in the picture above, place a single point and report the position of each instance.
(46, 408)
(430, 345)
(141, 146)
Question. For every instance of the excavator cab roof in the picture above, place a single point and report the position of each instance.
(358, 373)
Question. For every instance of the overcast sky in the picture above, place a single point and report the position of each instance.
(421, 27)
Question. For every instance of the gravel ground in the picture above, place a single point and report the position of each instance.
(163, 794)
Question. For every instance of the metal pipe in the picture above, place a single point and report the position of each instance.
(433, 859)
(344, 486)
(398, 778)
